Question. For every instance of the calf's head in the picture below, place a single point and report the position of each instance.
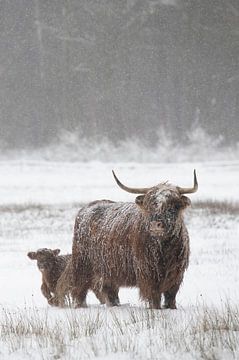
(45, 258)
(162, 204)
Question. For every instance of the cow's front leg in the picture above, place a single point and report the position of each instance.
(150, 293)
(170, 297)
(155, 300)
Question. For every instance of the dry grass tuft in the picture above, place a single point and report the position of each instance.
(139, 333)
(218, 207)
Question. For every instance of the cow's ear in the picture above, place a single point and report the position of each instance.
(32, 255)
(139, 200)
(182, 203)
(56, 252)
(185, 201)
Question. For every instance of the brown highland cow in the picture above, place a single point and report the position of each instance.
(143, 244)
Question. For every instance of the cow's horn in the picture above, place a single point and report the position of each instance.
(190, 190)
(130, 190)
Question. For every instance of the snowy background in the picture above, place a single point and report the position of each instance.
(150, 89)
(39, 201)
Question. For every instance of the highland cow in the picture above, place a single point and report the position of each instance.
(143, 244)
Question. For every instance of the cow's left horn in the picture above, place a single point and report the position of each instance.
(130, 190)
(190, 190)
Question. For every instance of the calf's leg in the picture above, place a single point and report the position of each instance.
(46, 292)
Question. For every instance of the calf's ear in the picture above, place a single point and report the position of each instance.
(56, 251)
(32, 255)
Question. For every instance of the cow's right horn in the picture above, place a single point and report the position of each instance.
(190, 190)
(128, 189)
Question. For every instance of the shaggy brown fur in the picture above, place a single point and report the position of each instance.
(126, 244)
(64, 289)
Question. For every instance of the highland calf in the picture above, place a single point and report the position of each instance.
(143, 244)
(51, 265)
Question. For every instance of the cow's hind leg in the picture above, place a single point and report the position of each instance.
(111, 295)
(79, 296)
(100, 296)
(79, 291)
(81, 281)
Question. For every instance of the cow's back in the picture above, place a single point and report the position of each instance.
(104, 238)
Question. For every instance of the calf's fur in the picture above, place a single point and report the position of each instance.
(51, 265)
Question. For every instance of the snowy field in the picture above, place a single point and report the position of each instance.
(39, 201)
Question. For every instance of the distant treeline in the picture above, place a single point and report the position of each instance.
(118, 69)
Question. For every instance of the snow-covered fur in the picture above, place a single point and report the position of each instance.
(51, 265)
(64, 289)
(143, 244)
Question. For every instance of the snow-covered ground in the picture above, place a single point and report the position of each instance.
(39, 201)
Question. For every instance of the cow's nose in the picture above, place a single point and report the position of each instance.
(156, 227)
